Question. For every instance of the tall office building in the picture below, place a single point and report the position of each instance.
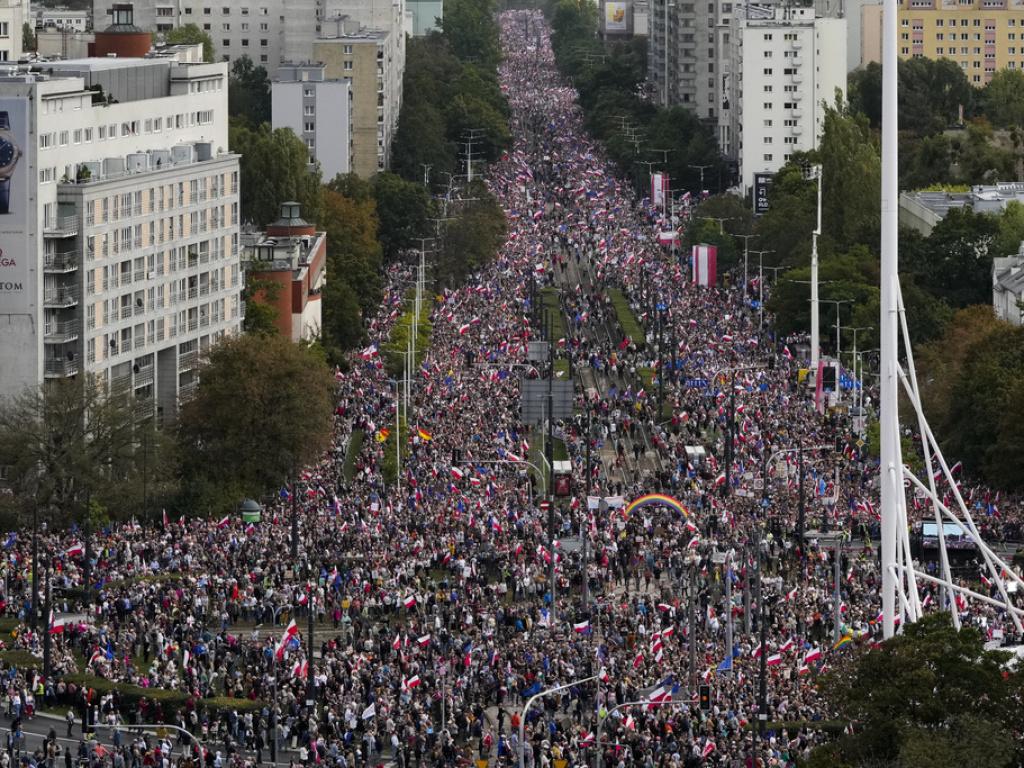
(119, 215)
(318, 111)
(786, 65)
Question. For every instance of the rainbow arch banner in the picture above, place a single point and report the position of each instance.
(656, 499)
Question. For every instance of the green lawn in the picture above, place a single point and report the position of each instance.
(627, 320)
(355, 445)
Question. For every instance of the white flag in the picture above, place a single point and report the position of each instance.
(370, 711)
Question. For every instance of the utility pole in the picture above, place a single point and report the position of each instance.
(728, 608)
(760, 282)
(700, 168)
(746, 255)
(295, 517)
(720, 219)
(691, 623)
(584, 530)
(762, 698)
(549, 451)
(310, 680)
(837, 595)
(426, 174)
(473, 135)
(815, 332)
(746, 591)
(801, 508)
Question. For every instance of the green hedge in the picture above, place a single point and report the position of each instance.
(171, 701)
(551, 305)
(398, 342)
(355, 445)
(21, 659)
(627, 320)
(389, 466)
(834, 727)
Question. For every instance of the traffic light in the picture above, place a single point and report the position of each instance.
(705, 698)
(828, 378)
(456, 456)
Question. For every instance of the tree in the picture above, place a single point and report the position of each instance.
(274, 169)
(471, 28)
(28, 37)
(472, 238)
(353, 251)
(931, 93)
(404, 209)
(342, 318)
(249, 92)
(792, 213)
(851, 178)
(191, 34)
(68, 441)
(262, 412)
(931, 696)
(955, 262)
(260, 296)
(1003, 98)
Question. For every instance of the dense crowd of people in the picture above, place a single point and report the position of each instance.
(430, 592)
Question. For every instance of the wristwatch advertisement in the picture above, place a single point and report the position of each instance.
(10, 153)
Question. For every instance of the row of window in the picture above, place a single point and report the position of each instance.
(168, 11)
(126, 128)
(990, 24)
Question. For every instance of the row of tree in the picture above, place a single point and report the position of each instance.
(453, 110)
(610, 80)
(75, 453)
(950, 132)
(945, 278)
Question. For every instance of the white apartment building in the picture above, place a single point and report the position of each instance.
(13, 15)
(270, 32)
(318, 111)
(119, 216)
(61, 18)
(786, 65)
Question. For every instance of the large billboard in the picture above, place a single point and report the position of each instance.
(762, 184)
(615, 17)
(15, 163)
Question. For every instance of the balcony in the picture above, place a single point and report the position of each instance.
(145, 408)
(60, 333)
(60, 263)
(63, 226)
(144, 377)
(60, 298)
(187, 361)
(187, 391)
(59, 369)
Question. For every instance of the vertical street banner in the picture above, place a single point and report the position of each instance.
(659, 189)
(704, 265)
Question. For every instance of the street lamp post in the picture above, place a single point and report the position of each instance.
(529, 703)
(760, 282)
(746, 254)
(815, 233)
